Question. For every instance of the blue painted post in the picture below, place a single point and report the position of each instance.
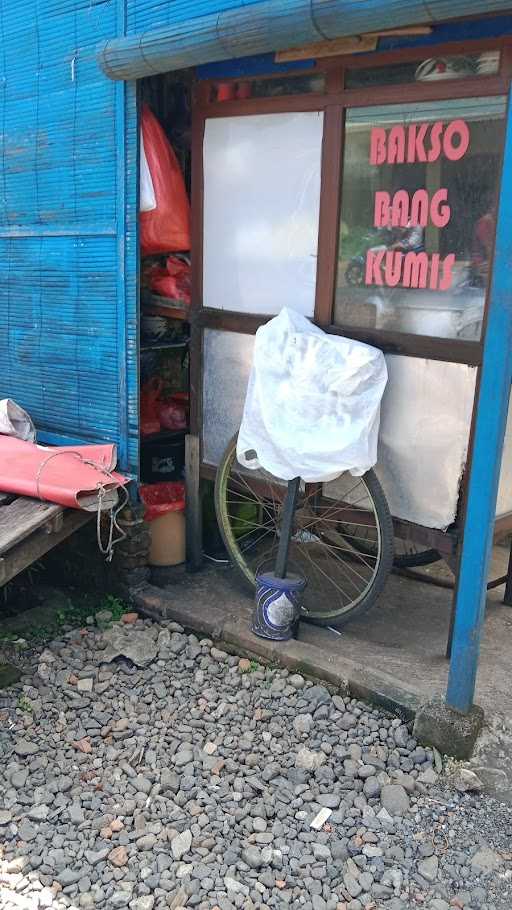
(496, 377)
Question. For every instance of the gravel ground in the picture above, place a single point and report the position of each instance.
(142, 767)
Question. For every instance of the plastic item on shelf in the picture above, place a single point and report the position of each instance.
(173, 281)
(149, 407)
(173, 414)
(165, 508)
(160, 498)
(167, 227)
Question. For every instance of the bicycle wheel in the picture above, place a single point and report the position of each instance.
(342, 581)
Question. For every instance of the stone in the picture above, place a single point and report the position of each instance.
(5, 817)
(297, 681)
(118, 856)
(438, 904)
(429, 777)
(485, 860)
(94, 857)
(308, 760)
(466, 781)
(181, 844)
(428, 868)
(84, 685)
(24, 748)
(394, 799)
(138, 646)
(352, 885)
(129, 618)
(177, 899)
(303, 723)
(450, 732)
(146, 902)
(252, 856)
(244, 665)
(235, 887)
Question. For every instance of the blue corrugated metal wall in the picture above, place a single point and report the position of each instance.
(68, 154)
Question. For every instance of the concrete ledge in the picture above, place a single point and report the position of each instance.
(233, 631)
(452, 733)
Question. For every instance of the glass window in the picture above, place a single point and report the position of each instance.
(261, 211)
(268, 88)
(417, 216)
(432, 69)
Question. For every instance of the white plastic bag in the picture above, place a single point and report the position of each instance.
(14, 421)
(147, 190)
(313, 402)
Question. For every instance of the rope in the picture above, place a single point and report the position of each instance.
(106, 550)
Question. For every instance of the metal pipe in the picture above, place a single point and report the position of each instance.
(491, 419)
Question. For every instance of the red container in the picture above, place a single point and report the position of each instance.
(161, 498)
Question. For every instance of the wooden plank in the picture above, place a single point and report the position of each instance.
(28, 551)
(193, 499)
(404, 31)
(22, 517)
(357, 44)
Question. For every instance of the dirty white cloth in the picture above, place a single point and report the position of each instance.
(14, 421)
(312, 408)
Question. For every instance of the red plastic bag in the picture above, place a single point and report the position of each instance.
(166, 228)
(173, 281)
(149, 407)
(160, 498)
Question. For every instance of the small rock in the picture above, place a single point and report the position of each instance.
(24, 748)
(297, 681)
(94, 857)
(466, 781)
(308, 760)
(244, 665)
(428, 868)
(352, 885)
(252, 856)
(84, 685)
(303, 723)
(181, 844)
(129, 619)
(5, 816)
(118, 856)
(394, 799)
(145, 902)
(428, 777)
(485, 860)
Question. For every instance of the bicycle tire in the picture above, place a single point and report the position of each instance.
(331, 617)
(407, 560)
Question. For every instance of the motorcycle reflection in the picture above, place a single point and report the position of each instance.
(406, 239)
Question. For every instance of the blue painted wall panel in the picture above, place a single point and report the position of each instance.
(67, 220)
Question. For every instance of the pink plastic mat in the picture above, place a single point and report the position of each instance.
(79, 477)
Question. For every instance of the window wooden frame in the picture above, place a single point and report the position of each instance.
(334, 101)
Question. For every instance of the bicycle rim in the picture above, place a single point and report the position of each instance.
(342, 581)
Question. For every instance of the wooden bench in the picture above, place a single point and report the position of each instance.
(30, 528)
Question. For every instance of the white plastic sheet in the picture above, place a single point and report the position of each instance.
(313, 402)
(14, 421)
(147, 190)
